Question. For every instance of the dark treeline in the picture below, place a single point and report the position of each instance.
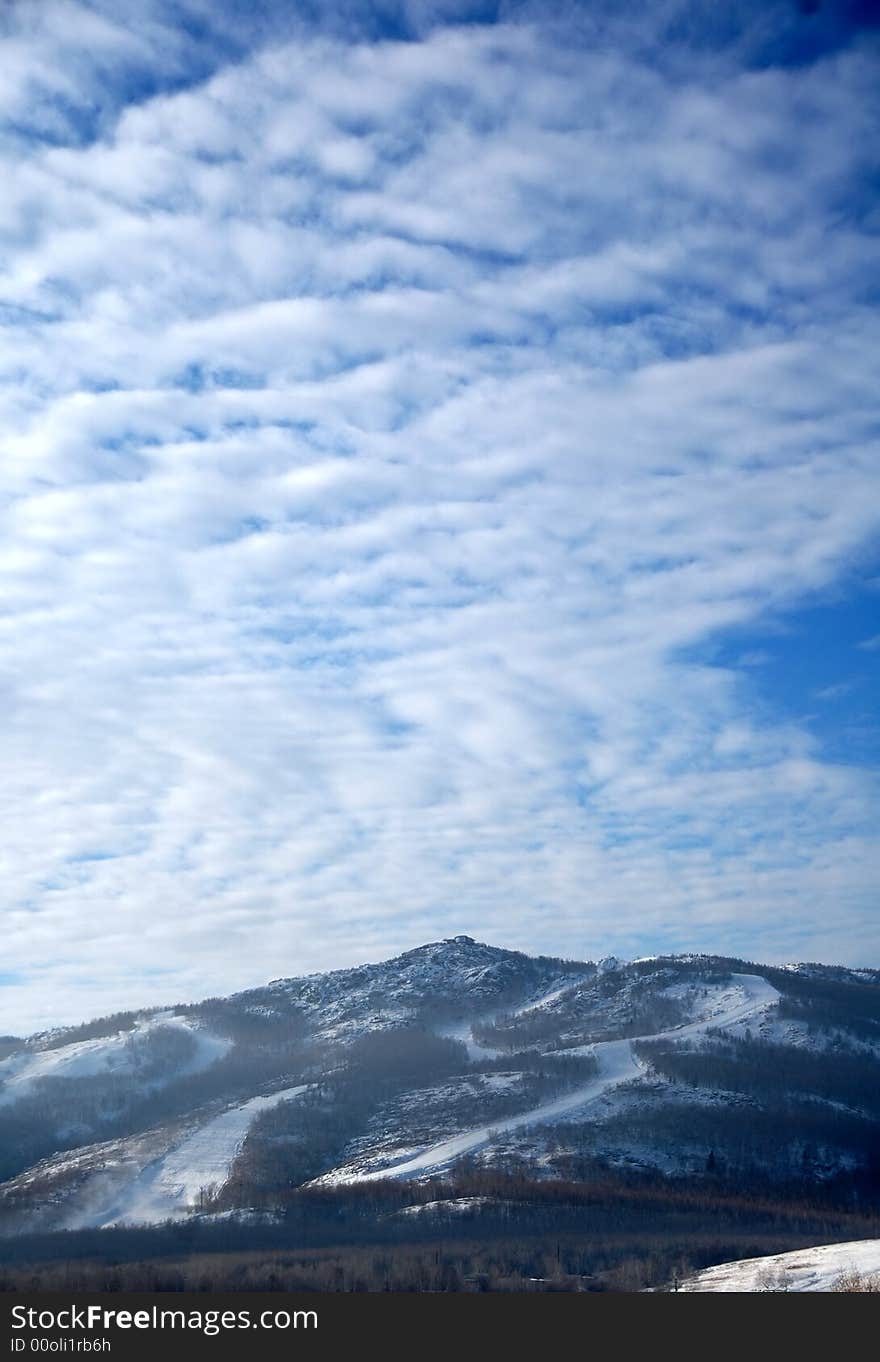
(561, 1068)
(617, 1231)
(267, 1028)
(848, 1000)
(822, 1012)
(792, 1139)
(763, 1070)
(553, 1263)
(517, 1033)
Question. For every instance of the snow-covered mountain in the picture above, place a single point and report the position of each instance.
(452, 1056)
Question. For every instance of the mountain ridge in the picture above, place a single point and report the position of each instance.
(450, 1052)
(286, 983)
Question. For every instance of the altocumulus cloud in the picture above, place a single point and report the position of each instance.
(392, 406)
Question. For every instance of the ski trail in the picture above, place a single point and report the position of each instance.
(745, 997)
(750, 995)
(170, 1187)
(461, 1031)
(617, 1064)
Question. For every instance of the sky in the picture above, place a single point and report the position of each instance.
(439, 487)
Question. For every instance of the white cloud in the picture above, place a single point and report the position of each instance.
(387, 425)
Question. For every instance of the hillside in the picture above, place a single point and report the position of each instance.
(452, 1063)
(827, 1267)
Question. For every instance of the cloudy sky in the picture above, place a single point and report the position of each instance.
(440, 486)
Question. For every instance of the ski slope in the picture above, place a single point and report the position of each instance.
(811, 1269)
(617, 1064)
(745, 997)
(121, 1053)
(170, 1187)
(742, 1000)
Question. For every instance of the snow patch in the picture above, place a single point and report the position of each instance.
(461, 1031)
(547, 999)
(459, 1205)
(811, 1269)
(121, 1053)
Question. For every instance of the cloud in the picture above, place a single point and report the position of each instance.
(389, 424)
(836, 691)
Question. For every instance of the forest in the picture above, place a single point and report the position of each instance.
(482, 1230)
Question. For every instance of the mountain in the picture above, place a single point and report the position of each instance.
(454, 1066)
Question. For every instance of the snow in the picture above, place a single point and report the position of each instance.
(553, 996)
(617, 1065)
(744, 998)
(811, 1269)
(349, 1002)
(120, 1053)
(160, 1174)
(460, 1205)
(170, 1186)
(461, 1031)
(241, 1215)
(501, 1082)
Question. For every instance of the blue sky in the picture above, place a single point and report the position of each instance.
(440, 487)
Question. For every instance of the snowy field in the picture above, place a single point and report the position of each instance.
(811, 1269)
